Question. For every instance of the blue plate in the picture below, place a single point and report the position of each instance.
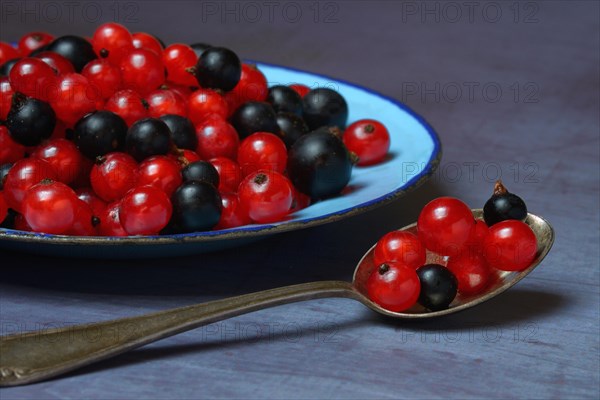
(414, 155)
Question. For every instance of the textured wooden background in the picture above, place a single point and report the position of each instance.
(513, 90)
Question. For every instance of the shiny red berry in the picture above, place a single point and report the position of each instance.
(7, 52)
(300, 88)
(161, 172)
(50, 207)
(180, 59)
(110, 221)
(251, 87)
(104, 75)
(23, 175)
(164, 101)
(400, 246)
(34, 78)
(142, 40)
(216, 138)
(85, 223)
(142, 70)
(3, 207)
(184, 157)
(113, 175)
(74, 98)
(21, 224)
(472, 271)
(88, 196)
(6, 94)
(394, 286)
(204, 103)
(33, 41)
(266, 196)
(64, 157)
(10, 151)
(145, 210)
(59, 63)
(510, 245)
(129, 105)
(369, 140)
(112, 41)
(230, 174)
(232, 214)
(262, 150)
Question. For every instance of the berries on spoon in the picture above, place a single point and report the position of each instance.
(393, 286)
(438, 287)
(503, 206)
(510, 246)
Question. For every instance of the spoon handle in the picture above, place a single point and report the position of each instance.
(35, 356)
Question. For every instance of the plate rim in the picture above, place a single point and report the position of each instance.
(257, 229)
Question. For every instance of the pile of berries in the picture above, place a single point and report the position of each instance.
(472, 253)
(119, 135)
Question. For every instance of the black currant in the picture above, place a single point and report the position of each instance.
(7, 66)
(319, 164)
(503, 205)
(75, 49)
(254, 116)
(438, 286)
(148, 137)
(324, 107)
(201, 171)
(218, 68)
(199, 48)
(291, 127)
(182, 130)
(100, 133)
(285, 99)
(39, 50)
(4, 168)
(196, 207)
(29, 120)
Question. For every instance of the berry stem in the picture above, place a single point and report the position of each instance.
(499, 188)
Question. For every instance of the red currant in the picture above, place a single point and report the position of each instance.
(301, 201)
(3, 207)
(204, 103)
(33, 77)
(251, 87)
(50, 207)
(266, 196)
(230, 174)
(110, 221)
(142, 70)
(64, 157)
(179, 60)
(161, 172)
(300, 88)
(183, 91)
(21, 224)
(6, 93)
(444, 225)
(142, 40)
(85, 223)
(104, 75)
(128, 105)
(10, 151)
(165, 101)
(262, 150)
(184, 157)
(216, 138)
(369, 140)
(112, 41)
(88, 196)
(22, 176)
(472, 272)
(113, 175)
(75, 98)
(33, 41)
(232, 214)
(83, 177)
(394, 286)
(7, 52)
(59, 63)
(402, 247)
(510, 245)
(145, 210)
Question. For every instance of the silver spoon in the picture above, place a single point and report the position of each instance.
(35, 356)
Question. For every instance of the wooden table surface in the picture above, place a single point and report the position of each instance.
(513, 90)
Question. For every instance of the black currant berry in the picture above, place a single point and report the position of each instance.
(324, 107)
(199, 48)
(218, 68)
(503, 205)
(100, 133)
(285, 99)
(182, 130)
(196, 207)
(39, 50)
(438, 286)
(201, 171)
(29, 120)
(148, 137)
(75, 49)
(254, 116)
(291, 127)
(4, 168)
(319, 165)
(7, 66)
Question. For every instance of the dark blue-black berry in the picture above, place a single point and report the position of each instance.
(319, 164)
(100, 133)
(4, 168)
(7, 66)
(438, 286)
(196, 207)
(291, 127)
(201, 171)
(218, 68)
(182, 130)
(148, 137)
(254, 116)
(29, 120)
(324, 107)
(503, 206)
(199, 48)
(285, 99)
(75, 49)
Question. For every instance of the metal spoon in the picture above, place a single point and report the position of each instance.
(35, 356)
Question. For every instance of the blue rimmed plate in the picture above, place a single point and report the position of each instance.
(415, 153)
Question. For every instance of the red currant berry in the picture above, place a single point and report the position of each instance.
(33, 41)
(75, 98)
(113, 175)
(88, 196)
(104, 75)
(33, 77)
(110, 221)
(64, 157)
(10, 151)
(142, 70)
(50, 207)
(266, 196)
(369, 140)
(300, 202)
(216, 138)
(7, 52)
(180, 59)
(478, 233)
(394, 286)
(184, 157)
(112, 41)
(510, 245)
(400, 246)
(161, 172)
(300, 88)
(472, 272)
(21, 224)
(22, 176)
(232, 214)
(444, 225)
(204, 103)
(164, 101)
(262, 150)
(83, 177)
(128, 105)
(3, 207)
(230, 174)
(145, 210)
(85, 223)
(183, 91)
(6, 93)
(59, 63)
(142, 40)
(251, 87)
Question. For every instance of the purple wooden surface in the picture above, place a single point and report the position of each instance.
(541, 133)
